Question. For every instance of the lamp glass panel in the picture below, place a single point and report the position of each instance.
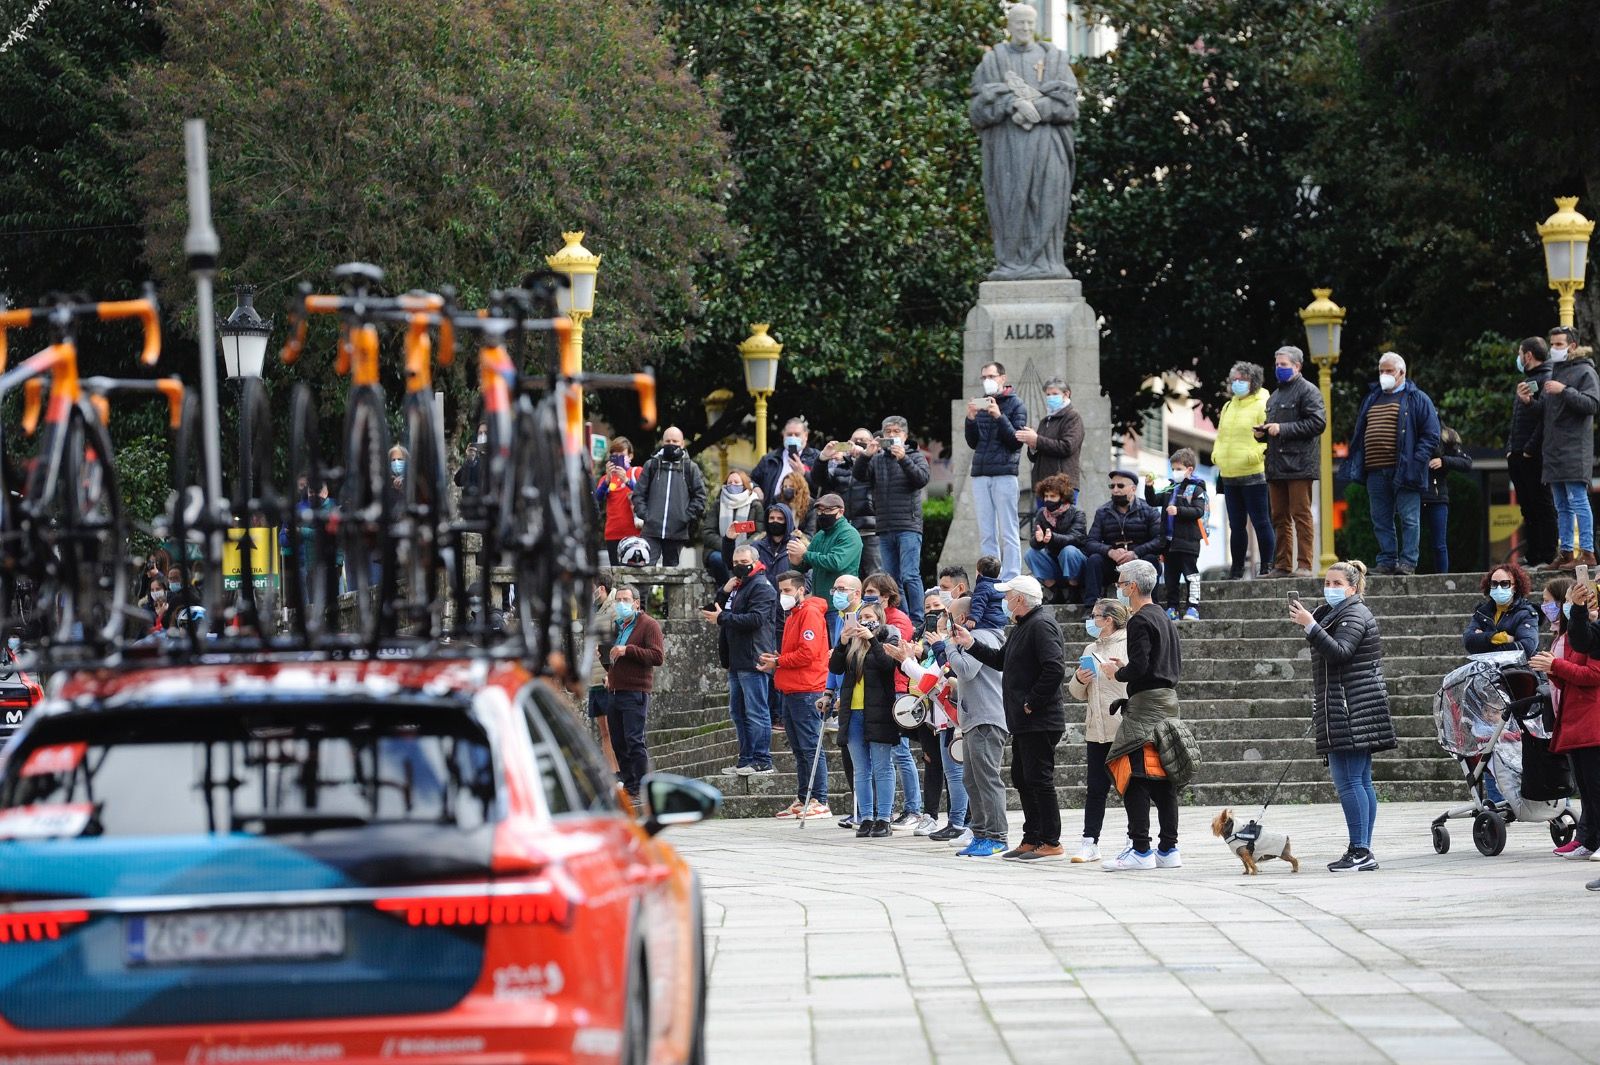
(564, 297)
(252, 355)
(1558, 256)
(230, 353)
(1580, 259)
(583, 292)
(1317, 339)
(761, 373)
(1335, 337)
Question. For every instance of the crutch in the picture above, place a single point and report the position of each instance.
(811, 777)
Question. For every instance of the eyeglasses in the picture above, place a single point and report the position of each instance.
(1114, 485)
(1502, 584)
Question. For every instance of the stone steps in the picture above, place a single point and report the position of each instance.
(1246, 693)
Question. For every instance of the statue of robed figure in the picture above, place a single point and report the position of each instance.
(1024, 102)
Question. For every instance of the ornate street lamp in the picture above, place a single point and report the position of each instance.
(1566, 251)
(1324, 322)
(582, 268)
(760, 354)
(244, 336)
(715, 404)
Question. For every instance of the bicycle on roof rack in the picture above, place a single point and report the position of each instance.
(67, 534)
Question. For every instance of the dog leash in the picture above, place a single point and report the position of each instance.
(1287, 764)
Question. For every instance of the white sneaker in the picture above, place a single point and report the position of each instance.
(927, 825)
(1089, 852)
(743, 770)
(1130, 859)
(1169, 859)
(733, 770)
(962, 841)
(1578, 854)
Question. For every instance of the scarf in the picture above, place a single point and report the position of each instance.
(730, 504)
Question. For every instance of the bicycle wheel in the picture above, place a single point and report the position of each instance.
(366, 504)
(78, 535)
(311, 578)
(421, 546)
(533, 538)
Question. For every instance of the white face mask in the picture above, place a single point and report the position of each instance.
(788, 601)
(1558, 354)
(991, 386)
(1387, 381)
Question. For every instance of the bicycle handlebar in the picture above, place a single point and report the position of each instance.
(61, 316)
(171, 388)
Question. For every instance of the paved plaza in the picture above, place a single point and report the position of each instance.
(828, 949)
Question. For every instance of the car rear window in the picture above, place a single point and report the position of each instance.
(273, 770)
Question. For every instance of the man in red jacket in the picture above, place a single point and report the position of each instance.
(801, 677)
(630, 679)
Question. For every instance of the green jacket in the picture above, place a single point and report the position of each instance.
(830, 553)
(1152, 717)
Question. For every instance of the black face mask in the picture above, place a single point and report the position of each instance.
(672, 452)
(1121, 502)
(930, 620)
(826, 521)
(742, 570)
(776, 529)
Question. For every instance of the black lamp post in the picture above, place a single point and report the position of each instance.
(244, 351)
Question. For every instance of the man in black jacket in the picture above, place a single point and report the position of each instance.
(746, 629)
(1032, 665)
(897, 474)
(669, 498)
(835, 473)
(1525, 454)
(991, 432)
(1151, 674)
(1295, 421)
(1124, 529)
(794, 455)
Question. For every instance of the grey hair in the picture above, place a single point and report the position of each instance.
(1141, 573)
(1056, 382)
(894, 421)
(1295, 355)
(1033, 601)
(1394, 357)
(1250, 372)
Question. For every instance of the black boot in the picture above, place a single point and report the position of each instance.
(864, 829)
(880, 829)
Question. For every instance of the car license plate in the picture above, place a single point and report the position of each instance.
(234, 935)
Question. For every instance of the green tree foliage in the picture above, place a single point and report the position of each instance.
(861, 203)
(449, 144)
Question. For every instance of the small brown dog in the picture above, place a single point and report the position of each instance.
(1265, 846)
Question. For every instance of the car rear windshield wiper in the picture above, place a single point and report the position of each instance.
(307, 821)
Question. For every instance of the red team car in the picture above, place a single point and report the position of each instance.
(336, 861)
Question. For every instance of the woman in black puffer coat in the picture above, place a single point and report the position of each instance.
(1350, 704)
(866, 714)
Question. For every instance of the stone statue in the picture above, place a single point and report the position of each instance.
(1024, 101)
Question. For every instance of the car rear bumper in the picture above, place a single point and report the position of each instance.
(480, 1031)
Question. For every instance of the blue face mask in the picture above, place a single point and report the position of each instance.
(1550, 611)
(1335, 596)
(624, 612)
(1053, 403)
(841, 600)
(1005, 607)
(1566, 611)
(1123, 599)
(792, 442)
(175, 585)
(870, 600)
(1501, 596)
(1091, 628)
(1520, 367)
(1240, 388)
(397, 466)
(1285, 374)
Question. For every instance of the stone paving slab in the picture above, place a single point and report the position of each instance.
(829, 950)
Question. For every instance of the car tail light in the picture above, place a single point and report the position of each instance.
(36, 927)
(536, 903)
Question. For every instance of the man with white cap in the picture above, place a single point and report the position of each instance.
(1032, 665)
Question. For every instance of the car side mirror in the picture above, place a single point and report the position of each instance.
(673, 800)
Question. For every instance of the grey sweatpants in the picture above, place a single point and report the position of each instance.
(985, 745)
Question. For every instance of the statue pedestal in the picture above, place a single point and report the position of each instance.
(1037, 330)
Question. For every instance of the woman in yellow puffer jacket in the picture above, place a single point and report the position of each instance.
(1240, 458)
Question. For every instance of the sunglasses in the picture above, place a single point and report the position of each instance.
(1502, 584)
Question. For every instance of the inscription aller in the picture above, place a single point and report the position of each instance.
(1031, 331)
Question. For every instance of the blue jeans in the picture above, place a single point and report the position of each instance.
(1436, 516)
(803, 727)
(1253, 500)
(955, 780)
(996, 500)
(901, 554)
(1048, 566)
(905, 767)
(874, 768)
(717, 567)
(1396, 519)
(1572, 500)
(752, 722)
(1352, 776)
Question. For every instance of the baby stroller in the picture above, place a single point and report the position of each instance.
(1494, 715)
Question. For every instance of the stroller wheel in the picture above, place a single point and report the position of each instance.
(1562, 831)
(1441, 840)
(1489, 833)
